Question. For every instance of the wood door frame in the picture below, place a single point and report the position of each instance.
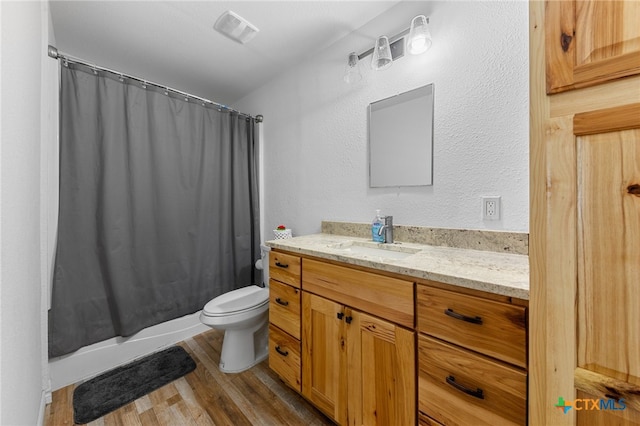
(552, 245)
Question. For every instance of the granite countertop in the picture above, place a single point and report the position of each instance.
(499, 273)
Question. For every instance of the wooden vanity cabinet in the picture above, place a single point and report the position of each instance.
(284, 318)
(358, 367)
(472, 358)
(345, 338)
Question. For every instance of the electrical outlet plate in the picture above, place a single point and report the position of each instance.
(491, 208)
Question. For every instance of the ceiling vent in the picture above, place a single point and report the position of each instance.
(235, 27)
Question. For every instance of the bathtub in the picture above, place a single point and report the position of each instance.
(95, 359)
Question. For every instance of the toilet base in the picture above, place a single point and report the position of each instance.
(242, 349)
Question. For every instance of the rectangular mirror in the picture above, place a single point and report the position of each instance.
(401, 139)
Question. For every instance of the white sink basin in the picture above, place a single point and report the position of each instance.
(371, 250)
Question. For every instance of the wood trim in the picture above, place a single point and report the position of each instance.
(603, 386)
(614, 119)
(595, 97)
(551, 244)
(607, 69)
(539, 392)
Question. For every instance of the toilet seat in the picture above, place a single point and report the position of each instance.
(237, 301)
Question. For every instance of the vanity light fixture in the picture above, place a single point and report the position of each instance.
(419, 40)
(381, 54)
(388, 49)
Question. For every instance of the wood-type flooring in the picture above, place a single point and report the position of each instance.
(205, 396)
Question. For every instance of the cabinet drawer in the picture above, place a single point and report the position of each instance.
(385, 297)
(284, 357)
(284, 307)
(424, 420)
(492, 328)
(459, 387)
(284, 268)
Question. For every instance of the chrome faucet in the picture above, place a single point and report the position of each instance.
(387, 228)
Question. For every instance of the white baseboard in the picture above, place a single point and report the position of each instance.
(43, 405)
(95, 359)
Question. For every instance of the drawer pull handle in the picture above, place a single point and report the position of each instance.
(473, 320)
(348, 320)
(340, 315)
(282, 302)
(478, 393)
(281, 265)
(281, 352)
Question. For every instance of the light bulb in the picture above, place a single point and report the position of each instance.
(419, 40)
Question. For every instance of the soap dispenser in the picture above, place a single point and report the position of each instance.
(378, 222)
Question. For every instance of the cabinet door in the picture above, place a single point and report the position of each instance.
(324, 355)
(381, 371)
(590, 42)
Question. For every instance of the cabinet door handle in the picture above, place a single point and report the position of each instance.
(340, 315)
(282, 302)
(478, 393)
(281, 352)
(473, 320)
(281, 265)
(348, 320)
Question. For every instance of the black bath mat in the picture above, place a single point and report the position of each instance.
(116, 388)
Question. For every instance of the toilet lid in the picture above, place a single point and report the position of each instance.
(241, 299)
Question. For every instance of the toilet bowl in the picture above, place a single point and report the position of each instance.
(243, 314)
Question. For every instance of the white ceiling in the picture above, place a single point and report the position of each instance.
(173, 43)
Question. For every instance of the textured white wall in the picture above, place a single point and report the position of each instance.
(20, 326)
(315, 129)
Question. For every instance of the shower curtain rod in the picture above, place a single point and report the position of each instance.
(55, 54)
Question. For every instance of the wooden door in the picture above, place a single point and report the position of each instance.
(584, 306)
(324, 355)
(381, 371)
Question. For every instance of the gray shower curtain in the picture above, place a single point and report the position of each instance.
(158, 208)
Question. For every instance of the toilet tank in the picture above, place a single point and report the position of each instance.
(264, 257)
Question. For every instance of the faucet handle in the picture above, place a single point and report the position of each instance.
(388, 229)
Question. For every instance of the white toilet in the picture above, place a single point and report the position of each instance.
(243, 314)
